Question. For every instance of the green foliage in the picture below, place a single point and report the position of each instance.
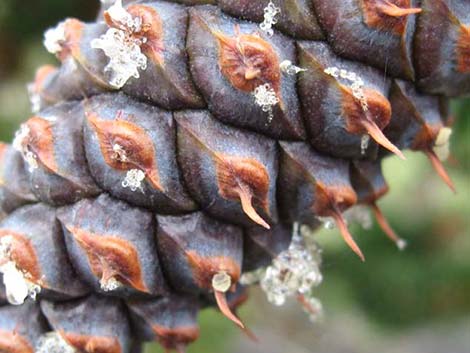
(23, 20)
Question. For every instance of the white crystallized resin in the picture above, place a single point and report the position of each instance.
(270, 18)
(289, 68)
(16, 282)
(134, 179)
(121, 47)
(19, 144)
(442, 144)
(266, 98)
(54, 38)
(53, 342)
(295, 272)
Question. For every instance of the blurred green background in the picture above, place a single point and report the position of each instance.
(413, 301)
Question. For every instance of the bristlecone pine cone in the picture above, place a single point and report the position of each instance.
(184, 143)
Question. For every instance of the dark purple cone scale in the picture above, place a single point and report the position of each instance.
(123, 204)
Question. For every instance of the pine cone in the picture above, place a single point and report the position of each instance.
(186, 149)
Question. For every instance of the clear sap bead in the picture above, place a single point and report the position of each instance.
(53, 342)
(110, 285)
(352, 76)
(328, 222)
(314, 308)
(31, 160)
(270, 18)
(442, 143)
(134, 179)
(265, 96)
(289, 68)
(359, 214)
(292, 272)
(253, 277)
(365, 139)
(357, 84)
(20, 137)
(332, 71)
(221, 282)
(119, 153)
(120, 16)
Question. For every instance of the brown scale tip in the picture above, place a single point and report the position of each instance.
(221, 283)
(463, 50)
(176, 338)
(41, 75)
(248, 61)
(40, 141)
(330, 201)
(388, 15)
(245, 179)
(152, 31)
(73, 30)
(23, 254)
(426, 141)
(387, 229)
(111, 258)
(3, 149)
(221, 299)
(368, 116)
(92, 344)
(376, 133)
(440, 169)
(222, 303)
(348, 238)
(395, 10)
(126, 146)
(205, 268)
(12, 342)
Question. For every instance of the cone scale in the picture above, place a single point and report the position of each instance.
(178, 145)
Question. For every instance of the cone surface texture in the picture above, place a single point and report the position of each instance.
(184, 150)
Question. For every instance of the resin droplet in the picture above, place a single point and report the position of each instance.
(122, 46)
(442, 143)
(312, 307)
(270, 18)
(365, 139)
(289, 68)
(266, 98)
(53, 342)
(387, 229)
(54, 38)
(359, 214)
(134, 179)
(293, 272)
(16, 282)
(362, 120)
(221, 283)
